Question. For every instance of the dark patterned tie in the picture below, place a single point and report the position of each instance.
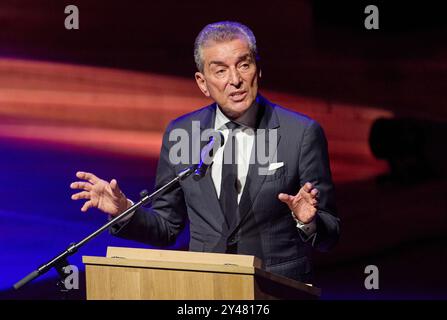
(229, 182)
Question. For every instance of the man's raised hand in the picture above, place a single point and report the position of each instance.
(106, 196)
(303, 204)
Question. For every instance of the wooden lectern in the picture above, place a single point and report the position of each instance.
(128, 273)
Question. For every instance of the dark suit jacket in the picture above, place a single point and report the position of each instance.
(265, 227)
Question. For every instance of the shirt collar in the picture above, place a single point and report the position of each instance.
(248, 119)
(220, 120)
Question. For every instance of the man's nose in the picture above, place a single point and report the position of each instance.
(235, 78)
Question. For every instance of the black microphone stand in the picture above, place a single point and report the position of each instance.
(60, 261)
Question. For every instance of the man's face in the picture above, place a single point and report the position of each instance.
(230, 76)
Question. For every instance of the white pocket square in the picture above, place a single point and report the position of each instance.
(276, 165)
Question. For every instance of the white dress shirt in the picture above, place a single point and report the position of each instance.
(244, 144)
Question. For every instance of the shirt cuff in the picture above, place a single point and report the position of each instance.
(308, 230)
(126, 218)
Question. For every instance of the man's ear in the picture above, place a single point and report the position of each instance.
(201, 82)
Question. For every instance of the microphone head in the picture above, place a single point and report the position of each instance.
(216, 141)
(198, 174)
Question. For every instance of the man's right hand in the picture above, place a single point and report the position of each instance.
(106, 196)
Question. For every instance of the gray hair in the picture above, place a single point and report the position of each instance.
(220, 32)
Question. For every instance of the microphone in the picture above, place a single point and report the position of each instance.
(206, 156)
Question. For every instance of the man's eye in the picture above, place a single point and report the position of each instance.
(221, 71)
(245, 66)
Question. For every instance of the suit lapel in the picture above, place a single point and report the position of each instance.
(255, 177)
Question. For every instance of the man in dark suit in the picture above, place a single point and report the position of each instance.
(276, 205)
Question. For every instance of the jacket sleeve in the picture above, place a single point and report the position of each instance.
(314, 167)
(160, 224)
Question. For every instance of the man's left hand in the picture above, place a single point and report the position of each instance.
(303, 204)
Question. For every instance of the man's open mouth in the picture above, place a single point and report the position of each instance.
(238, 96)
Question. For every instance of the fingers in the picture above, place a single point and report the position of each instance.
(84, 195)
(288, 199)
(81, 195)
(307, 187)
(114, 186)
(311, 197)
(87, 205)
(90, 177)
(314, 193)
(81, 185)
(117, 191)
(310, 194)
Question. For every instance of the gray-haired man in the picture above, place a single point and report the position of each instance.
(278, 211)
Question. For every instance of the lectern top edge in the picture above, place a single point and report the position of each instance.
(184, 256)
